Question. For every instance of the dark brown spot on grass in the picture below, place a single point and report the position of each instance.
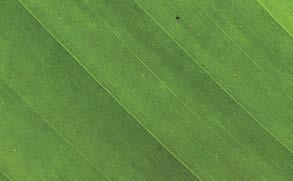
(177, 17)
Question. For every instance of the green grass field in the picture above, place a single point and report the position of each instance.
(146, 90)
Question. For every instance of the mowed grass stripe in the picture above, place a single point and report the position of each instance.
(281, 11)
